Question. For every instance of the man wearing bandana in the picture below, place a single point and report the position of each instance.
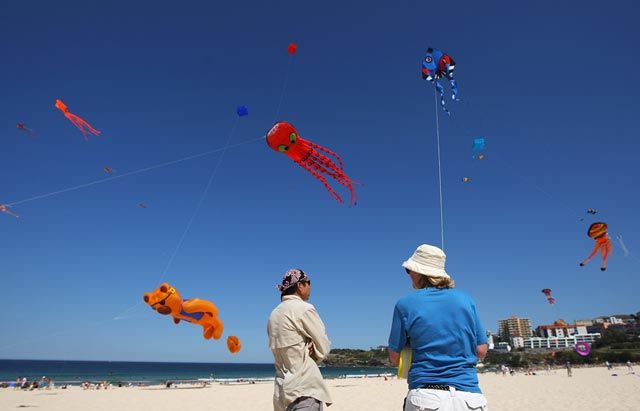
(298, 341)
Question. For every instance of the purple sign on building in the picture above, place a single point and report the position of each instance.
(583, 348)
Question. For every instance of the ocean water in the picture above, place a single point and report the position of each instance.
(75, 372)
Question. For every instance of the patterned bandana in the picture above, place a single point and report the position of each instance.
(291, 278)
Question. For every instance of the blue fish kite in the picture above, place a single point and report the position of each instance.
(435, 65)
(478, 146)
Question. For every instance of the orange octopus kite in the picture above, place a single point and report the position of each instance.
(598, 231)
(84, 127)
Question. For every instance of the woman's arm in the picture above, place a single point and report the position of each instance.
(482, 351)
(394, 357)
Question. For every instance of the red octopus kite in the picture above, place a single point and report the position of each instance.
(284, 138)
(598, 231)
(84, 127)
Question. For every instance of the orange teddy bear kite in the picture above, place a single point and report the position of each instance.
(166, 300)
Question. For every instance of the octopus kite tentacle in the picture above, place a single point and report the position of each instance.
(441, 92)
(324, 165)
(84, 127)
(454, 89)
(452, 81)
(605, 248)
(330, 152)
(598, 231)
(335, 173)
(322, 180)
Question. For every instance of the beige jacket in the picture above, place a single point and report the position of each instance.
(294, 326)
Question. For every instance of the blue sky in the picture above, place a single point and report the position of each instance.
(552, 89)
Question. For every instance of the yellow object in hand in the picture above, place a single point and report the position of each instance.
(406, 356)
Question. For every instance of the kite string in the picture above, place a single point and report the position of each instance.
(127, 310)
(435, 93)
(130, 173)
(284, 88)
(200, 202)
(123, 315)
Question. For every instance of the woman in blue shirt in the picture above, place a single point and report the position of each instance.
(442, 327)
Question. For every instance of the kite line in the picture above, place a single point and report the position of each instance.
(435, 93)
(130, 173)
(214, 171)
(284, 87)
(212, 176)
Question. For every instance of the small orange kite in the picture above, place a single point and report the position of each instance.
(108, 170)
(5, 209)
(84, 127)
(233, 344)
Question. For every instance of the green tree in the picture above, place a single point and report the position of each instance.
(610, 336)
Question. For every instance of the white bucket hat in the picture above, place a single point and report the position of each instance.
(427, 260)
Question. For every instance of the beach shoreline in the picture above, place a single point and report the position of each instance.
(590, 388)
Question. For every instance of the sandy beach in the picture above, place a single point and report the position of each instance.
(588, 389)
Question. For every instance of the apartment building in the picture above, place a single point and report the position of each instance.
(514, 327)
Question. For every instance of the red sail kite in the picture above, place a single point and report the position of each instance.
(547, 292)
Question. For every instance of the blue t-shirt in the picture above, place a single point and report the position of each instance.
(443, 329)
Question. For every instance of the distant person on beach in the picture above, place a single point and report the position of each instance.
(568, 366)
(608, 364)
(629, 366)
(442, 326)
(298, 341)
